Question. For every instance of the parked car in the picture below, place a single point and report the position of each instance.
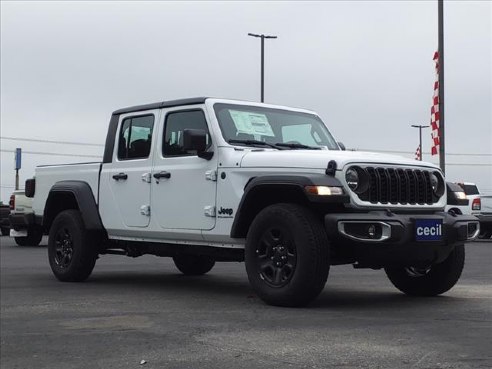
(480, 206)
(4, 219)
(20, 214)
(485, 217)
(204, 180)
(457, 202)
(473, 195)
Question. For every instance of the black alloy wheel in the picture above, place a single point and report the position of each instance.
(276, 257)
(431, 281)
(63, 248)
(72, 249)
(287, 255)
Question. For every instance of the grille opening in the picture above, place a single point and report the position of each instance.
(398, 186)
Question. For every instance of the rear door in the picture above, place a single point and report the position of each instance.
(125, 183)
(183, 197)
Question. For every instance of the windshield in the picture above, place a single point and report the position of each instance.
(253, 125)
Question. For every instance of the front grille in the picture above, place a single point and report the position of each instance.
(398, 186)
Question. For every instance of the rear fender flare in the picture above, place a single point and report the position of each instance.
(79, 191)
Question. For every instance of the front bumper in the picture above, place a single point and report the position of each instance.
(21, 221)
(485, 222)
(394, 240)
(4, 223)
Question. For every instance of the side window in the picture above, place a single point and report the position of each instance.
(176, 123)
(135, 137)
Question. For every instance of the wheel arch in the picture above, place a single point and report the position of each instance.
(78, 195)
(261, 192)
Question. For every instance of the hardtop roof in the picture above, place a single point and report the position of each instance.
(162, 104)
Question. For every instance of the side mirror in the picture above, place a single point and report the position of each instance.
(196, 140)
(342, 146)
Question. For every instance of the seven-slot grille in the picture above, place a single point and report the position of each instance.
(398, 186)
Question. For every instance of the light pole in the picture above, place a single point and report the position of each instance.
(420, 136)
(440, 21)
(262, 36)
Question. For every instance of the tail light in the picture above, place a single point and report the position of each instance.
(476, 204)
(12, 202)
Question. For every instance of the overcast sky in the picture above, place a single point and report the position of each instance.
(365, 67)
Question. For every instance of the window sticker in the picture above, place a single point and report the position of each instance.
(251, 123)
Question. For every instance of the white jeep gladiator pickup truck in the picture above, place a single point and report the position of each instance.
(204, 180)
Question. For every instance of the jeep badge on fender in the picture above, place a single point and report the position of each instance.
(296, 202)
(225, 212)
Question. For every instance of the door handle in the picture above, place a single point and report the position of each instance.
(162, 175)
(119, 176)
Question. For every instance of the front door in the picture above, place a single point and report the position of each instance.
(128, 177)
(183, 185)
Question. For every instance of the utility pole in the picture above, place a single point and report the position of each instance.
(420, 136)
(442, 152)
(263, 37)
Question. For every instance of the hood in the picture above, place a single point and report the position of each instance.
(318, 159)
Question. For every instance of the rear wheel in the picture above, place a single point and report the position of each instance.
(485, 235)
(287, 255)
(33, 238)
(193, 264)
(431, 281)
(72, 250)
(5, 231)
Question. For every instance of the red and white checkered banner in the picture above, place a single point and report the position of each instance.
(435, 111)
(418, 154)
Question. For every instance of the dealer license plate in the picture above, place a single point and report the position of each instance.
(428, 229)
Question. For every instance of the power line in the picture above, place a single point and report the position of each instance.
(471, 164)
(50, 141)
(55, 154)
(99, 157)
(427, 153)
(102, 145)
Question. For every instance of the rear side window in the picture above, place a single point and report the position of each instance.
(135, 137)
(176, 123)
(469, 189)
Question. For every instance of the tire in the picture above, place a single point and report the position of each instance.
(33, 238)
(433, 281)
(287, 255)
(193, 264)
(485, 235)
(72, 250)
(5, 231)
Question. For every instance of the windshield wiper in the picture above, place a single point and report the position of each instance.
(297, 146)
(254, 142)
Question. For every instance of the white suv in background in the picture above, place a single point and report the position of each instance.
(473, 195)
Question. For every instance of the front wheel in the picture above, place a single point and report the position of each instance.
(431, 281)
(287, 255)
(71, 248)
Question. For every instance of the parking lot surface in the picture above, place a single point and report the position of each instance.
(135, 310)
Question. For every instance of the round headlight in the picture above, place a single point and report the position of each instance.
(434, 182)
(352, 178)
(437, 184)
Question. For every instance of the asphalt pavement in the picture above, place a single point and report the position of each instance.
(141, 313)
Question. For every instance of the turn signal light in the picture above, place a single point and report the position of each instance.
(324, 190)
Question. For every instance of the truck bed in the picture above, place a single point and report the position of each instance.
(47, 176)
